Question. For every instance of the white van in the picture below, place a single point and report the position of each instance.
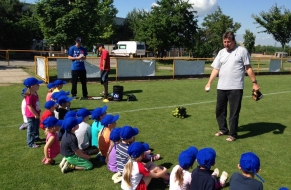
(129, 48)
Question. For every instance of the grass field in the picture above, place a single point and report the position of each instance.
(264, 128)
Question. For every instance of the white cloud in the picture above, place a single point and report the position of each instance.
(204, 7)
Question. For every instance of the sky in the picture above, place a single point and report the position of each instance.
(240, 10)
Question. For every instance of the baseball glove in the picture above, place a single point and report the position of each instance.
(257, 95)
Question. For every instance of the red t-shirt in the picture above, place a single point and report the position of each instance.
(105, 56)
(46, 114)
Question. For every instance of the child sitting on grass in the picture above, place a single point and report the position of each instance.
(52, 146)
(83, 134)
(249, 165)
(51, 88)
(180, 178)
(202, 177)
(137, 175)
(109, 122)
(97, 115)
(50, 107)
(74, 159)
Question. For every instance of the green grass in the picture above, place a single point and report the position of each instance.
(264, 128)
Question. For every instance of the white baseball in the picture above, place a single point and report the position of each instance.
(207, 89)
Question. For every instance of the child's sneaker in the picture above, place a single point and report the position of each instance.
(34, 146)
(23, 126)
(223, 178)
(61, 165)
(114, 176)
(215, 172)
(67, 168)
(155, 157)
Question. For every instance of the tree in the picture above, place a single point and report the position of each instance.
(276, 23)
(249, 41)
(17, 21)
(61, 21)
(202, 48)
(169, 23)
(216, 24)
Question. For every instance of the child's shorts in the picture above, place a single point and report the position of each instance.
(79, 162)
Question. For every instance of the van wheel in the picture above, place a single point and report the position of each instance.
(131, 55)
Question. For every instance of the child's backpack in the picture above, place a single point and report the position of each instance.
(131, 97)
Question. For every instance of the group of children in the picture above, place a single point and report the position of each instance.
(67, 132)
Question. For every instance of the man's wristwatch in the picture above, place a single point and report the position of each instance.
(255, 82)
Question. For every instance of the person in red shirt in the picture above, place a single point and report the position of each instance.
(104, 69)
(50, 106)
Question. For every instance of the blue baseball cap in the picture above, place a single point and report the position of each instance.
(51, 122)
(250, 162)
(206, 157)
(64, 99)
(71, 113)
(23, 91)
(115, 134)
(108, 119)
(59, 82)
(128, 132)
(83, 112)
(136, 149)
(70, 122)
(96, 113)
(283, 188)
(50, 85)
(187, 157)
(56, 95)
(49, 104)
(31, 81)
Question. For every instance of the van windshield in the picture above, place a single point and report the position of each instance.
(140, 47)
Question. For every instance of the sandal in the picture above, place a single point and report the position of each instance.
(219, 133)
(230, 139)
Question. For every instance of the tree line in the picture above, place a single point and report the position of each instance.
(169, 24)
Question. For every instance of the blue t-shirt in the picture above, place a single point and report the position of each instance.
(74, 51)
(95, 129)
(240, 182)
(202, 180)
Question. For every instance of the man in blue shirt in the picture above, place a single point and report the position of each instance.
(77, 54)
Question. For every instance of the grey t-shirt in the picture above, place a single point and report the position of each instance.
(231, 66)
(240, 182)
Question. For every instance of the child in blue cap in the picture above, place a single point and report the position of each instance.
(202, 176)
(74, 157)
(137, 175)
(58, 84)
(249, 165)
(63, 102)
(52, 146)
(23, 106)
(109, 123)
(180, 178)
(96, 127)
(83, 134)
(32, 110)
(50, 107)
(111, 158)
(51, 87)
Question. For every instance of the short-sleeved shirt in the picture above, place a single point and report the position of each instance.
(69, 144)
(83, 134)
(46, 114)
(95, 130)
(60, 113)
(121, 156)
(240, 182)
(112, 164)
(137, 173)
(202, 180)
(231, 66)
(104, 141)
(48, 96)
(174, 185)
(74, 51)
(105, 56)
(54, 149)
(32, 100)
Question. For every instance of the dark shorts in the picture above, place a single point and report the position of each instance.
(104, 77)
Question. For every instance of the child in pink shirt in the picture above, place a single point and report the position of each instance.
(51, 87)
(32, 110)
(52, 146)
